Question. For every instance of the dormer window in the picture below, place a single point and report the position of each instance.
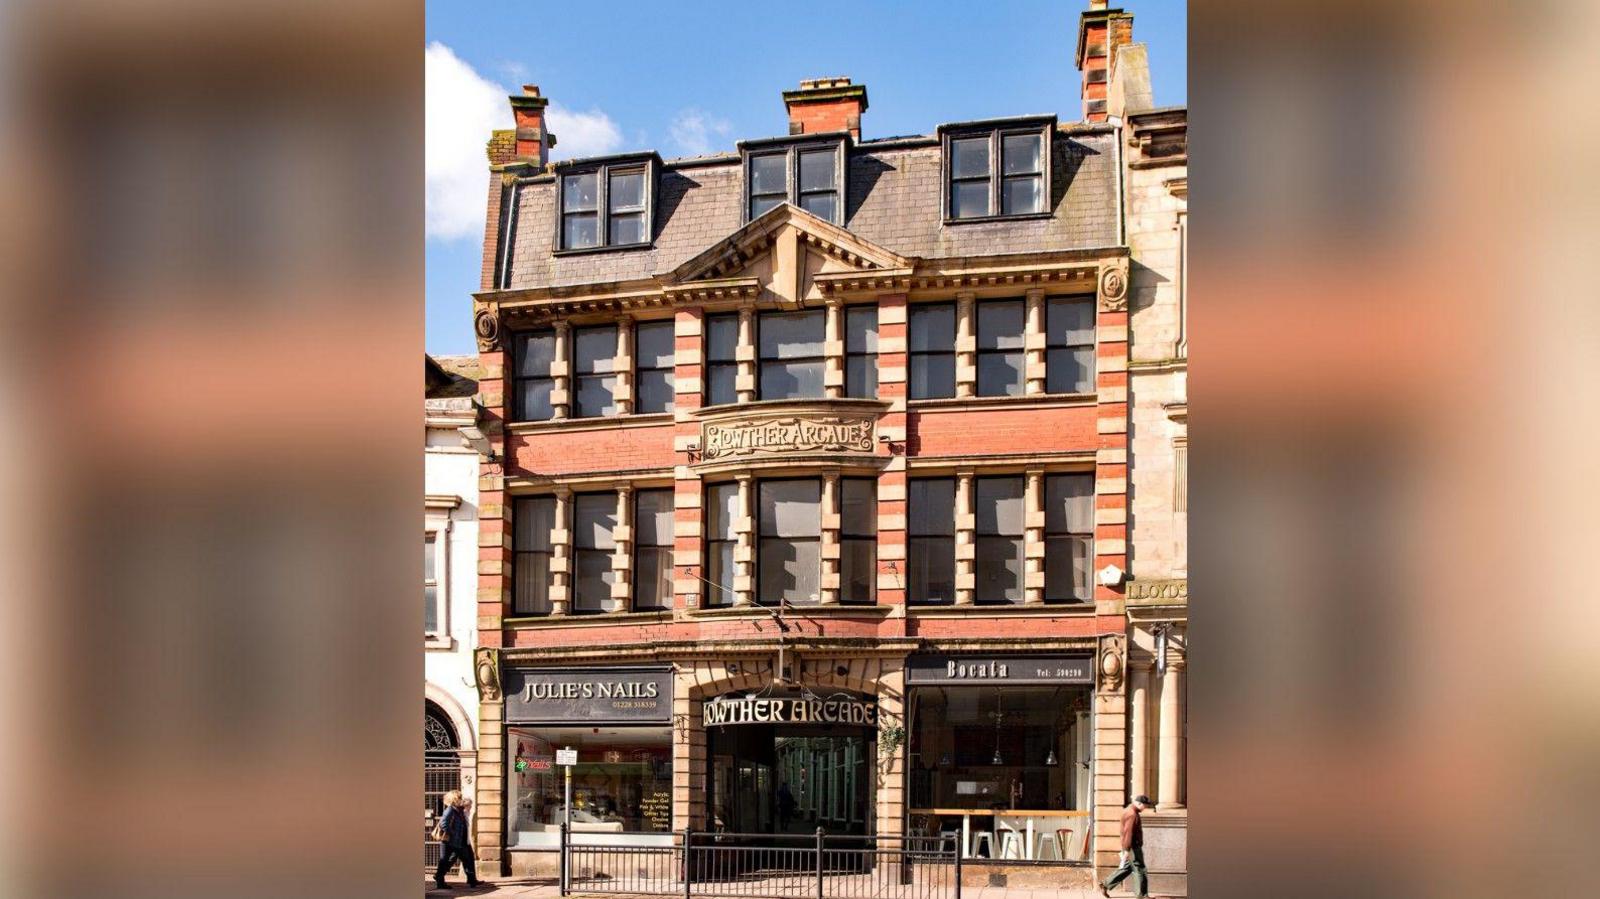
(998, 171)
(809, 175)
(606, 204)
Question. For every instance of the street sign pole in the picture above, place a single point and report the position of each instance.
(567, 762)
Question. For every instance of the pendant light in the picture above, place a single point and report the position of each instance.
(998, 714)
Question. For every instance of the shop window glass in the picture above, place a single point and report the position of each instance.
(722, 366)
(858, 539)
(533, 518)
(861, 351)
(789, 541)
(791, 354)
(622, 782)
(998, 505)
(595, 365)
(594, 519)
(722, 507)
(1069, 345)
(931, 540)
(653, 356)
(932, 349)
(1069, 538)
(652, 550)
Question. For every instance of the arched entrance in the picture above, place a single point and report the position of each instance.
(441, 771)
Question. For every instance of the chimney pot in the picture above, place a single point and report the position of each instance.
(530, 90)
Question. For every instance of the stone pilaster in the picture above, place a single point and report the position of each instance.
(561, 373)
(744, 552)
(745, 384)
(892, 427)
(688, 513)
(966, 345)
(833, 349)
(624, 365)
(489, 808)
(1139, 669)
(688, 754)
(966, 548)
(1173, 745)
(1033, 539)
(561, 556)
(891, 764)
(1034, 343)
(829, 587)
(622, 555)
(1110, 753)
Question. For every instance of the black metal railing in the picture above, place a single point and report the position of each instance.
(760, 866)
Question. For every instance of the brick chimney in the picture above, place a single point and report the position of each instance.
(1101, 33)
(826, 104)
(534, 139)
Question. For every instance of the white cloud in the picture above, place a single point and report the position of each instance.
(695, 133)
(463, 107)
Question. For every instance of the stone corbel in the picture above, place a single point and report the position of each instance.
(486, 326)
(1114, 287)
(486, 667)
(1112, 664)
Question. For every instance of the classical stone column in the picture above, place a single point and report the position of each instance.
(1172, 742)
(1033, 539)
(829, 585)
(966, 345)
(561, 372)
(1139, 669)
(966, 549)
(622, 556)
(833, 349)
(623, 365)
(561, 558)
(1034, 343)
(745, 383)
(744, 551)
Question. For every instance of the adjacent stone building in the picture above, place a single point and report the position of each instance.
(808, 492)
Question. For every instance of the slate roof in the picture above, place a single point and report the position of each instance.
(893, 201)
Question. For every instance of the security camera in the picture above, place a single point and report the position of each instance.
(1111, 575)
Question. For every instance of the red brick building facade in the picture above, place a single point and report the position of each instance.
(809, 497)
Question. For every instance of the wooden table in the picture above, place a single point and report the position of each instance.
(968, 813)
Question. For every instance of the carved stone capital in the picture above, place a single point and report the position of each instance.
(1114, 288)
(486, 326)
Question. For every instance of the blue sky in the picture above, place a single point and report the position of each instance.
(692, 78)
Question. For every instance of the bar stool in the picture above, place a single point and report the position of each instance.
(982, 839)
(1043, 840)
(954, 836)
(1065, 836)
(1011, 844)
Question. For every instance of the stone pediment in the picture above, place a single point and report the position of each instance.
(780, 254)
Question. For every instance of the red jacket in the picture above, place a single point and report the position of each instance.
(1132, 828)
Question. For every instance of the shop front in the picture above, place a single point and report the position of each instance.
(1000, 755)
(619, 722)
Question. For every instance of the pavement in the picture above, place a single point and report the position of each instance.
(548, 888)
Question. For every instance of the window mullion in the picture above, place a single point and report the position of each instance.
(603, 202)
(995, 168)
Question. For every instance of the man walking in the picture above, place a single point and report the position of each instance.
(1132, 850)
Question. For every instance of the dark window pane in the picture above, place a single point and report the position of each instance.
(997, 570)
(653, 391)
(722, 338)
(536, 400)
(857, 570)
(531, 591)
(817, 170)
(594, 516)
(579, 231)
(1020, 154)
(719, 571)
(536, 353)
(596, 350)
(1069, 370)
(592, 579)
(627, 229)
(933, 328)
(1000, 374)
(791, 380)
(533, 519)
(627, 191)
(430, 608)
(789, 508)
(767, 174)
(652, 345)
(428, 546)
(999, 505)
(596, 395)
(788, 571)
(1000, 325)
(652, 578)
(1069, 503)
(759, 205)
(931, 507)
(931, 569)
(579, 192)
(791, 335)
(861, 329)
(971, 157)
(1067, 569)
(1068, 322)
(1021, 196)
(722, 506)
(653, 517)
(861, 376)
(858, 507)
(822, 206)
(933, 376)
(969, 199)
(721, 384)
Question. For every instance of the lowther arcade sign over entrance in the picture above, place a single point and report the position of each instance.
(790, 710)
(797, 434)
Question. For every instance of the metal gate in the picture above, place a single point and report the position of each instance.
(441, 773)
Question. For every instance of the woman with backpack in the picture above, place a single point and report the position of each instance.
(451, 832)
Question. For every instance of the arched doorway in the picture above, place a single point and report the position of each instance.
(441, 771)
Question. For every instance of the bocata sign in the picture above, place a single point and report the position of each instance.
(790, 710)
